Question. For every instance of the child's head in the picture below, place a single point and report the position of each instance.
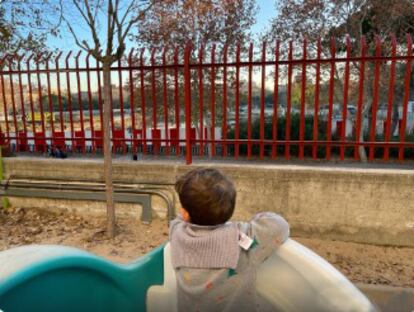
(207, 196)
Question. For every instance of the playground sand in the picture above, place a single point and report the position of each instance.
(359, 262)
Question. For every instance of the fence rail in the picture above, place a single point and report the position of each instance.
(317, 101)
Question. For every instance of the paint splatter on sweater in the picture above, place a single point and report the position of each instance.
(216, 265)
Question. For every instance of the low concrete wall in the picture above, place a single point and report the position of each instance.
(362, 205)
(388, 298)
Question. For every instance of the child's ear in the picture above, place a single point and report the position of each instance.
(185, 215)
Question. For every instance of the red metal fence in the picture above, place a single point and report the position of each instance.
(321, 100)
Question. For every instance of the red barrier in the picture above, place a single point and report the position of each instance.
(58, 140)
(80, 142)
(40, 142)
(174, 138)
(22, 142)
(156, 141)
(118, 141)
(98, 139)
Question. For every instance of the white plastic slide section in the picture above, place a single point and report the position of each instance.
(297, 279)
(15, 259)
(293, 279)
(162, 298)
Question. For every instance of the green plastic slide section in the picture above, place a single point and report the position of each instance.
(79, 281)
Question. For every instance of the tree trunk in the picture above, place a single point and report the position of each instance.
(110, 209)
(361, 149)
(395, 118)
(365, 114)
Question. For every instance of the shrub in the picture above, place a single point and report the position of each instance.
(308, 136)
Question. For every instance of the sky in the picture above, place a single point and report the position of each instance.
(266, 11)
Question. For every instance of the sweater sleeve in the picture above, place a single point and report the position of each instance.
(269, 231)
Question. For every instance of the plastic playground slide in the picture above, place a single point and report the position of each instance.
(55, 278)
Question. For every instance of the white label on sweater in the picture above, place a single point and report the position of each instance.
(245, 241)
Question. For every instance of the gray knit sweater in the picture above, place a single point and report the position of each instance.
(214, 273)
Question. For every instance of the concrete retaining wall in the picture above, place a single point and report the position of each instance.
(389, 298)
(362, 205)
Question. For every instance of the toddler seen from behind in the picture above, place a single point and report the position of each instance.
(215, 260)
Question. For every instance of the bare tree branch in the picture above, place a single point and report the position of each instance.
(71, 30)
(82, 13)
(137, 18)
(110, 30)
(121, 44)
(127, 11)
(92, 25)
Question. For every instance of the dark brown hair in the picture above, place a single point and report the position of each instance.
(207, 195)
